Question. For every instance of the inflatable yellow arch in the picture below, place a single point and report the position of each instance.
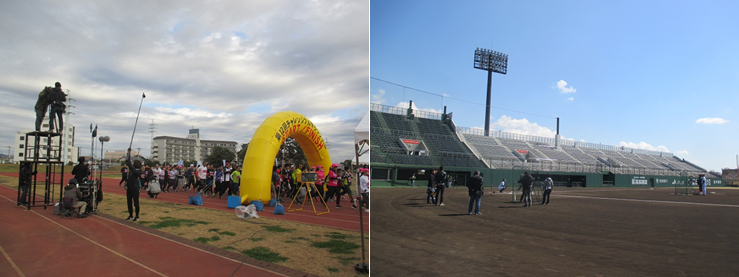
(260, 156)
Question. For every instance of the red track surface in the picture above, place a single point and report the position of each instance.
(38, 243)
(346, 218)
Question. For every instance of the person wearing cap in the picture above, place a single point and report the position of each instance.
(527, 182)
(321, 177)
(364, 188)
(133, 186)
(189, 178)
(42, 105)
(80, 171)
(57, 99)
(430, 199)
(275, 184)
(226, 185)
(71, 190)
(333, 185)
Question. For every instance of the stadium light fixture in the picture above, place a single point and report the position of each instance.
(490, 61)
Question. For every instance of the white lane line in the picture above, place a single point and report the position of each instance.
(650, 201)
(17, 269)
(198, 249)
(195, 248)
(101, 246)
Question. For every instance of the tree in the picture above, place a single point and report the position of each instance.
(347, 163)
(242, 153)
(291, 153)
(218, 154)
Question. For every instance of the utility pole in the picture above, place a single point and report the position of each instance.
(65, 133)
(152, 130)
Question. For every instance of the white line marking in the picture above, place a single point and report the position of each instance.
(650, 201)
(17, 269)
(198, 249)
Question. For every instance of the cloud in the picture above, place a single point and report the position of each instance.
(562, 86)
(571, 99)
(644, 146)
(711, 120)
(222, 67)
(378, 97)
(683, 152)
(521, 126)
(415, 108)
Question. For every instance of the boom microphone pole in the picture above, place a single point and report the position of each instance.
(143, 95)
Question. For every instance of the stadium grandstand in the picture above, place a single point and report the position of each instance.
(404, 141)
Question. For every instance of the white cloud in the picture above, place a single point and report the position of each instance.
(415, 108)
(218, 66)
(711, 120)
(521, 126)
(683, 152)
(562, 86)
(644, 146)
(378, 97)
(571, 98)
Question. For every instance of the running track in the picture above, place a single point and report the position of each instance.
(37, 243)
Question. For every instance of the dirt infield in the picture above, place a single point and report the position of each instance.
(582, 232)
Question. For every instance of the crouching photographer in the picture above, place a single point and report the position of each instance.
(71, 190)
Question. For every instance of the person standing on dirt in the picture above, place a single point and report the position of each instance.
(702, 184)
(413, 180)
(548, 185)
(133, 185)
(474, 186)
(441, 182)
(430, 199)
(526, 183)
(124, 175)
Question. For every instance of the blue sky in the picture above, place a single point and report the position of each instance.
(658, 75)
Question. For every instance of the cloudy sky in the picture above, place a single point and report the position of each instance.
(219, 66)
(657, 75)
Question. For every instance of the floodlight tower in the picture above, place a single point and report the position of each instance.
(490, 61)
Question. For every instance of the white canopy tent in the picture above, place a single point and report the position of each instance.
(361, 139)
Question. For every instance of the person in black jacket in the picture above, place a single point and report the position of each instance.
(57, 99)
(440, 185)
(526, 182)
(124, 174)
(474, 185)
(133, 184)
(430, 199)
(25, 181)
(80, 171)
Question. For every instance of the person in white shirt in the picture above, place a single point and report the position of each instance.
(202, 175)
(548, 185)
(502, 186)
(364, 188)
